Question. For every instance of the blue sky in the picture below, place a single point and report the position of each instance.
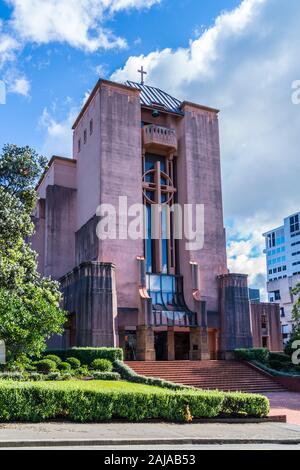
(241, 56)
(59, 72)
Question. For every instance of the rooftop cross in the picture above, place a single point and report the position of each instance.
(142, 72)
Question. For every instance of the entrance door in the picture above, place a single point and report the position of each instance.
(160, 340)
(182, 346)
(212, 343)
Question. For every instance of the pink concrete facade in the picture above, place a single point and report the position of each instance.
(110, 159)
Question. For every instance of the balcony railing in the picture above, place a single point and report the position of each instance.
(159, 137)
(169, 318)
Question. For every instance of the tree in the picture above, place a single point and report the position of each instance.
(29, 304)
(20, 168)
(295, 336)
(296, 307)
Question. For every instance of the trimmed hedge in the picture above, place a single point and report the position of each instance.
(40, 402)
(106, 376)
(277, 373)
(280, 357)
(255, 354)
(88, 355)
(102, 365)
(131, 376)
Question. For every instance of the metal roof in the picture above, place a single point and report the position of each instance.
(151, 96)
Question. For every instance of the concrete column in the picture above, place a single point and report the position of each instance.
(145, 343)
(199, 344)
(122, 340)
(171, 344)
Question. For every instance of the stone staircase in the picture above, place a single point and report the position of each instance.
(210, 375)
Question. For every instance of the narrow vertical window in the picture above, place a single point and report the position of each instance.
(79, 145)
(91, 126)
(85, 136)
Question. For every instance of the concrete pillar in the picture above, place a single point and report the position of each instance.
(171, 344)
(199, 344)
(235, 314)
(145, 343)
(122, 340)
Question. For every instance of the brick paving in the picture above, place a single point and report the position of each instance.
(286, 403)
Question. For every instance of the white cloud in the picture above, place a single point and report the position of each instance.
(8, 46)
(245, 65)
(79, 23)
(117, 5)
(58, 139)
(20, 86)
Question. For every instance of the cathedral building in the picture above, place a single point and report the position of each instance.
(151, 295)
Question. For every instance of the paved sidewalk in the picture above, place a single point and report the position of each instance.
(286, 403)
(105, 434)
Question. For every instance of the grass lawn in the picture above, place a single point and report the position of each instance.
(103, 385)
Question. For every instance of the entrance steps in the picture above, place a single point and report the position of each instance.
(210, 375)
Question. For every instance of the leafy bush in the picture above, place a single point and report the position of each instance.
(40, 402)
(53, 358)
(36, 377)
(102, 365)
(276, 373)
(239, 404)
(83, 371)
(275, 364)
(53, 376)
(64, 366)
(281, 357)
(74, 362)
(88, 355)
(17, 376)
(45, 366)
(255, 354)
(66, 376)
(106, 376)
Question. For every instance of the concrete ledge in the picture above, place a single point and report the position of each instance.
(144, 442)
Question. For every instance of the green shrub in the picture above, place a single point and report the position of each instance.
(102, 365)
(53, 376)
(106, 376)
(45, 366)
(17, 376)
(65, 366)
(88, 355)
(54, 358)
(40, 402)
(255, 354)
(36, 377)
(243, 404)
(281, 357)
(74, 362)
(66, 376)
(277, 365)
(83, 371)
(276, 373)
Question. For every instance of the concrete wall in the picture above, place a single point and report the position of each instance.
(121, 175)
(60, 222)
(199, 180)
(272, 313)
(88, 162)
